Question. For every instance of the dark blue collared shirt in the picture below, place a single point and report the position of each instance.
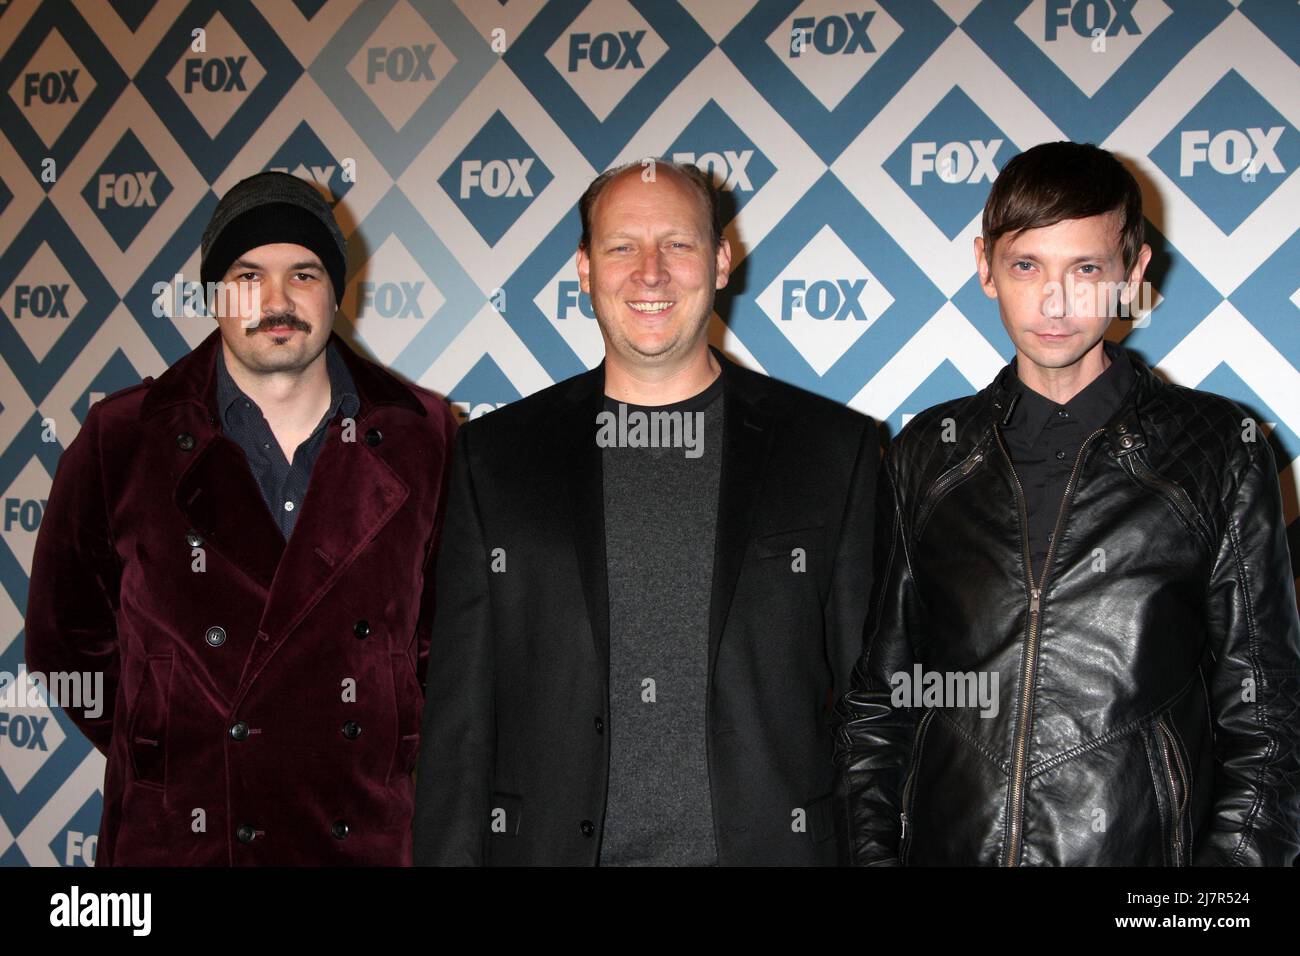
(283, 483)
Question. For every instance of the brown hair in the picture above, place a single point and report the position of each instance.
(700, 181)
(1056, 181)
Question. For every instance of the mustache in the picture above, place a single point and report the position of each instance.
(283, 320)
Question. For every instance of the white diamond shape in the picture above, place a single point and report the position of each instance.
(53, 57)
(581, 333)
(947, 336)
(822, 342)
(214, 107)
(24, 300)
(28, 493)
(830, 75)
(131, 114)
(393, 276)
(20, 763)
(1087, 60)
(949, 263)
(604, 88)
(486, 334)
(392, 71)
(1226, 260)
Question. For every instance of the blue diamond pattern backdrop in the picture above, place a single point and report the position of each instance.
(455, 137)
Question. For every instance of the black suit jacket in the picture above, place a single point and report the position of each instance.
(514, 755)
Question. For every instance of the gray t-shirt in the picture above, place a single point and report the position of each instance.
(660, 520)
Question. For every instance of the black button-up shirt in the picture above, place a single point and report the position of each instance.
(283, 483)
(1044, 439)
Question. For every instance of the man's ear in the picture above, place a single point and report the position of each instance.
(723, 263)
(584, 270)
(1132, 287)
(1140, 267)
(983, 268)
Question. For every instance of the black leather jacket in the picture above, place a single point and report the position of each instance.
(1148, 682)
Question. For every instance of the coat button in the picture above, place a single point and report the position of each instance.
(216, 636)
(1126, 442)
(339, 830)
(352, 730)
(193, 539)
(600, 725)
(1121, 429)
(361, 628)
(185, 441)
(239, 731)
(587, 828)
(246, 834)
(373, 437)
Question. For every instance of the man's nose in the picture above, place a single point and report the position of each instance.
(650, 270)
(274, 299)
(1053, 303)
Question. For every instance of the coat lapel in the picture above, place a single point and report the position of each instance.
(584, 476)
(221, 501)
(352, 495)
(217, 493)
(746, 441)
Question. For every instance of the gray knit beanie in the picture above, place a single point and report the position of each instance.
(272, 207)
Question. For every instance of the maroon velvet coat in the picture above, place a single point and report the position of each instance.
(231, 734)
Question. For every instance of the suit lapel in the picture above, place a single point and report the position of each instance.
(746, 442)
(584, 477)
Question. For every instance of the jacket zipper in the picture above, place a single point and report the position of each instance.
(911, 777)
(1178, 794)
(944, 483)
(1019, 762)
(1170, 490)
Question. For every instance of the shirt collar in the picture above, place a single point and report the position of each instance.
(1092, 407)
(343, 392)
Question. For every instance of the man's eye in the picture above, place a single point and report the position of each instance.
(681, 245)
(246, 276)
(1018, 266)
(306, 275)
(1089, 269)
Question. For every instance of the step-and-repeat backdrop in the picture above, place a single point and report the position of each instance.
(857, 138)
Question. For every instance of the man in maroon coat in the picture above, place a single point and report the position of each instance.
(243, 548)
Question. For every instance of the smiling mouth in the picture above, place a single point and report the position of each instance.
(657, 307)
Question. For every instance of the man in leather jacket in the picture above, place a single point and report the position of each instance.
(1106, 552)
